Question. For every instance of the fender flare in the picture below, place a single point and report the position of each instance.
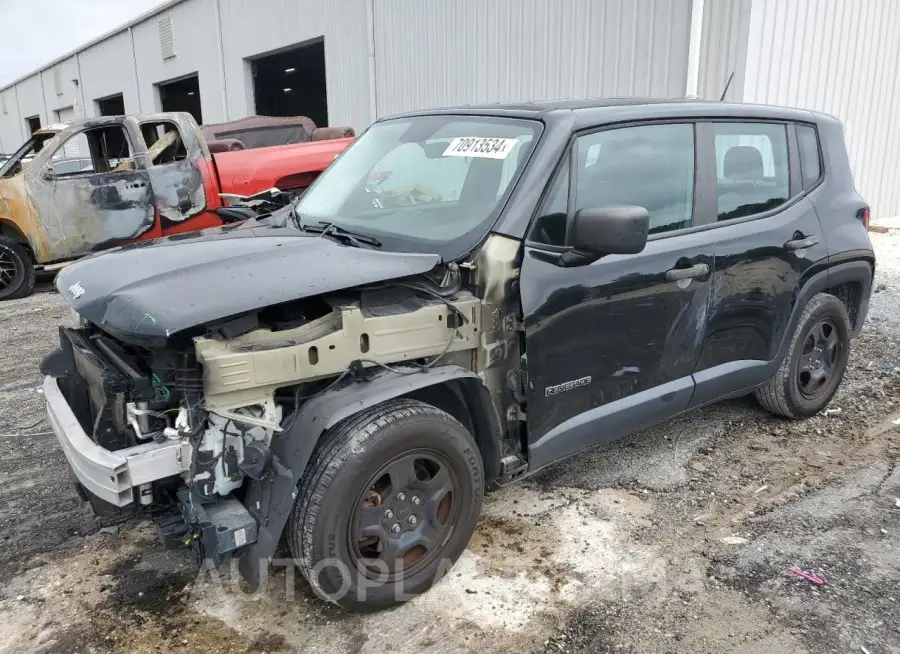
(859, 271)
(271, 500)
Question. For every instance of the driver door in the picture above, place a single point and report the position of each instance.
(611, 345)
(90, 192)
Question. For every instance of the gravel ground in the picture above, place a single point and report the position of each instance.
(678, 539)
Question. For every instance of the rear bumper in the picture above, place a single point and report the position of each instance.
(109, 475)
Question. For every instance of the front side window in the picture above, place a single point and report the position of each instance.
(426, 180)
(650, 166)
(751, 168)
(101, 150)
(73, 157)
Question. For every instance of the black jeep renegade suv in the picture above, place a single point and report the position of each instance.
(465, 296)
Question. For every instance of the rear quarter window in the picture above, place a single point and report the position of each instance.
(810, 156)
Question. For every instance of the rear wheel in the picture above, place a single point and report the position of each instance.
(16, 270)
(813, 368)
(387, 505)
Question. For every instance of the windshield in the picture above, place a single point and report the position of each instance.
(24, 155)
(425, 183)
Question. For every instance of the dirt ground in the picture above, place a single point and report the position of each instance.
(679, 539)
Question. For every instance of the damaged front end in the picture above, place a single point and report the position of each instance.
(209, 430)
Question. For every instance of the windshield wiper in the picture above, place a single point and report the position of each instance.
(330, 229)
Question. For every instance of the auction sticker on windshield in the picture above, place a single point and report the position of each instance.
(479, 146)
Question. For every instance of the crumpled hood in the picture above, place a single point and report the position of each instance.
(145, 292)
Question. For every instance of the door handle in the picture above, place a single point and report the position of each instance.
(677, 274)
(801, 243)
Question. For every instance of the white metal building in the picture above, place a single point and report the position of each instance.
(349, 61)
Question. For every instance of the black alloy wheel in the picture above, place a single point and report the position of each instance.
(387, 504)
(811, 370)
(403, 515)
(819, 359)
(17, 275)
(8, 269)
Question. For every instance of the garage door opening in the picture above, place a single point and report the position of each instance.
(292, 83)
(65, 115)
(182, 95)
(33, 124)
(114, 105)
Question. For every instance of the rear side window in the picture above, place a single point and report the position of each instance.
(810, 160)
(164, 142)
(751, 168)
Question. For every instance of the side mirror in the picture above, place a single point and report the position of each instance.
(619, 229)
(49, 174)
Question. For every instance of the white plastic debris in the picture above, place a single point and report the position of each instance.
(760, 489)
(833, 412)
(735, 540)
(897, 502)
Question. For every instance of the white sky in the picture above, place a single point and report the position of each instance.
(35, 32)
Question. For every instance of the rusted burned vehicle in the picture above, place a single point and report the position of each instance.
(93, 184)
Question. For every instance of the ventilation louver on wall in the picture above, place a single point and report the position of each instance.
(166, 38)
(57, 80)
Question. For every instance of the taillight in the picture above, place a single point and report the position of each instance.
(863, 216)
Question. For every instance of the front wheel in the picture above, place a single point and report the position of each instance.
(16, 271)
(388, 503)
(813, 368)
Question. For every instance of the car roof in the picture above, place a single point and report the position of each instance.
(592, 111)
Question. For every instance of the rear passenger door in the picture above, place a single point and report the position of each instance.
(767, 240)
(175, 160)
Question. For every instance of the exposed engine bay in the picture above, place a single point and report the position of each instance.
(210, 404)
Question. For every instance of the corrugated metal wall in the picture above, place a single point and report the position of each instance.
(31, 102)
(107, 68)
(10, 122)
(59, 90)
(840, 58)
(723, 48)
(430, 54)
(254, 27)
(197, 52)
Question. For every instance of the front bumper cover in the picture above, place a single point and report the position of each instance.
(110, 475)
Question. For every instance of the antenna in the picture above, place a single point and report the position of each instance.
(727, 84)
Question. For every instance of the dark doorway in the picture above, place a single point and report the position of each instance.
(292, 83)
(182, 95)
(33, 123)
(114, 105)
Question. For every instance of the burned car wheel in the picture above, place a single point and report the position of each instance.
(387, 505)
(16, 271)
(812, 370)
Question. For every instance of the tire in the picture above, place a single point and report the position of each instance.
(800, 389)
(17, 276)
(363, 461)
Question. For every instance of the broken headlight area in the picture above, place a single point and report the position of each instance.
(194, 422)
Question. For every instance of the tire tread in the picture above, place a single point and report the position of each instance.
(26, 288)
(772, 395)
(347, 439)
